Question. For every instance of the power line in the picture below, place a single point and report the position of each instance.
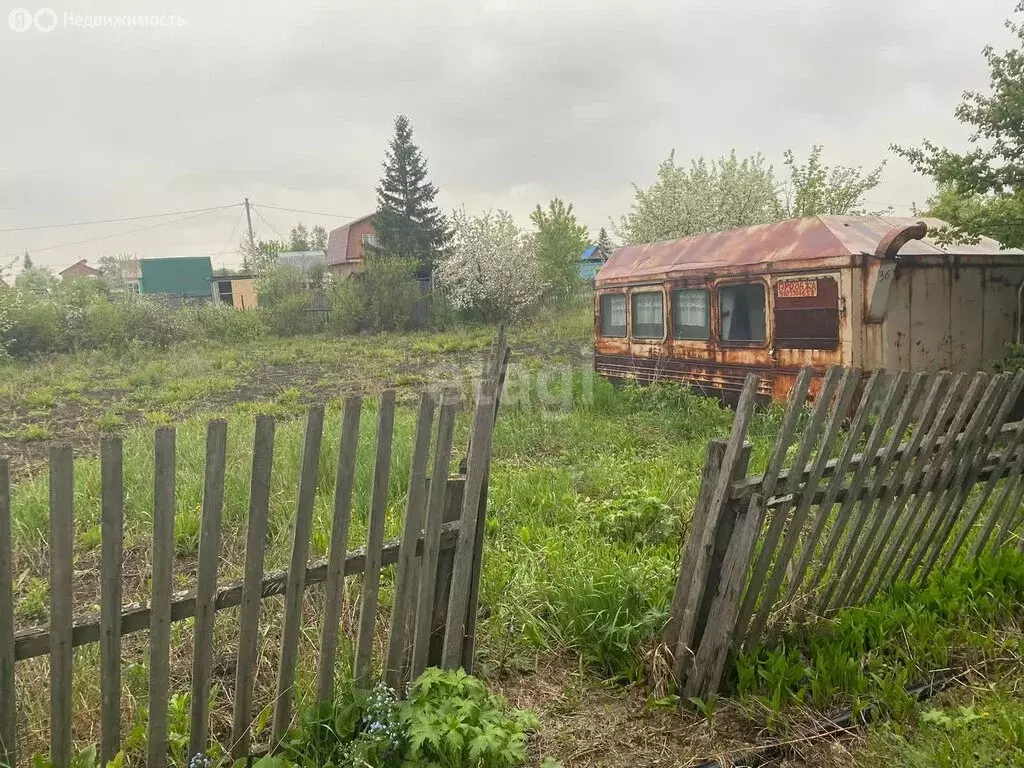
(309, 213)
(222, 251)
(264, 220)
(110, 221)
(205, 212)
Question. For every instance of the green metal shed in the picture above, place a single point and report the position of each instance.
(183, 277)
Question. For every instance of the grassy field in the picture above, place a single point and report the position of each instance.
(592, 488)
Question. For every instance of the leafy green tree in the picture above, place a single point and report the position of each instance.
(262, 257)
(407, 222)
(973, 215)
(981, 191)
(37, 280)
(604, 244)
(299, 238)
(815, 189)
(114, 270)
(318, 239)
(709, 196)
(558, 242)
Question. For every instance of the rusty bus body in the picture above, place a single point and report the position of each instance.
(860, 291)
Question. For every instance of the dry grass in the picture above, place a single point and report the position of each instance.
(587, 723)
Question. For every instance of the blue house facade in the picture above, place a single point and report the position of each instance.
(590, 263)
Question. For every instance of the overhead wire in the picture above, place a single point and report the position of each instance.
(234, 229)
(205, 212)
(264, 220)
(110, 221)
(308, 213)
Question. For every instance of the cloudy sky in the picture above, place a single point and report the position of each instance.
(512, 101)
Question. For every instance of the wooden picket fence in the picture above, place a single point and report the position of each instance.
(868, 496)
(438, 560)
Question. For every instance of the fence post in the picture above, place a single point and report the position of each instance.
(724, 601)
(445, 566)
(709, 476)
(723, 537)
(699, 568)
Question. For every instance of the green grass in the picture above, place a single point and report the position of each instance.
(969, 614)
(972, 727)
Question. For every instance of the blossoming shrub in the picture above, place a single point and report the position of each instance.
(490, 270)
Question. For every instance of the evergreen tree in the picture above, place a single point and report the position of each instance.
(407, 222)
(318, 238)
(299, 237)
(604, 244)
(27, 261)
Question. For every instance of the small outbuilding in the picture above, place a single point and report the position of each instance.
(865, 291)
(176, 279)
(235, 290)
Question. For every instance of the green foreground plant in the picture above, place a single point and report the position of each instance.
(450, 719)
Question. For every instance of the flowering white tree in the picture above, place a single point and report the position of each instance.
(706, 197)
(490, 267)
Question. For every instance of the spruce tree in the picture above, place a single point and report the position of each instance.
(26, 263)
(299, 238)
(407, 222)
(604, 244)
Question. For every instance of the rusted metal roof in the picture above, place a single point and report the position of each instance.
(811, 242)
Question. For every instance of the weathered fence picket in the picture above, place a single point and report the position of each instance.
(375, 538)
(340, 524)
(160, 601)
(856, 521)
(302, 528)
(252, 588)
(206, 582)
(62, 528)
(397, 639)
(436, 557)
(112, 534)
(435, 520)
(8, 709)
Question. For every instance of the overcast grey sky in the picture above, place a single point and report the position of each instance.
(512, 101)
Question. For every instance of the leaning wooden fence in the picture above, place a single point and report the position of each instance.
(851, 500)
(438, 559)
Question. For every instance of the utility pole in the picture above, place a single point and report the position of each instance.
(248, 218)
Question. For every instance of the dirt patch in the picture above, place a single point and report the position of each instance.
(101, 405)
(587, 723)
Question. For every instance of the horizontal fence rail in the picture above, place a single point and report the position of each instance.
(878, 489)
(437, 558)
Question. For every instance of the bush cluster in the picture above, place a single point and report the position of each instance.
(79, 315)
